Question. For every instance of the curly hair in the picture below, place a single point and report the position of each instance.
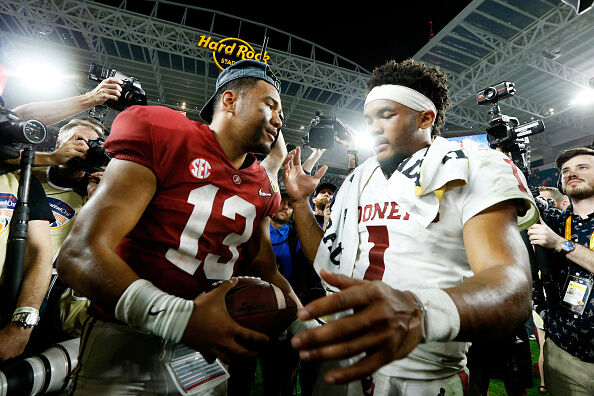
(429, 81)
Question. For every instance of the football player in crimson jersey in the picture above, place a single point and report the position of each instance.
(432, 259)
(180, 206)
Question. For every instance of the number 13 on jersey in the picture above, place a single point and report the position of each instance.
(185, 256)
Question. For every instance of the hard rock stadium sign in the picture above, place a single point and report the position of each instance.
(227, 51)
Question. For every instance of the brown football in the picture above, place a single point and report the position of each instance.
(260, 306)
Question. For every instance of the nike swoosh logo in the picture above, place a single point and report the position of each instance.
(263, 194)
(153, 313)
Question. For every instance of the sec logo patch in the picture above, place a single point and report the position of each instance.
(200, 169)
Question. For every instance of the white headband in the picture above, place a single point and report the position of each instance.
(403, 95)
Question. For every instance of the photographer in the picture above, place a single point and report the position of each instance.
(561, 201)
(56, 111)
(569, 319)
(14, 337)
(68, 187)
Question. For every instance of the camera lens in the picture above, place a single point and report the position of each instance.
(33, 131)
(490, 93)
(135, 98)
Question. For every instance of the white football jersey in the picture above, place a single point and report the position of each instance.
(397, 249)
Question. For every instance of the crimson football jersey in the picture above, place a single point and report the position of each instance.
(204, 208)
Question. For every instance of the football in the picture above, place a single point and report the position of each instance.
(260, 306)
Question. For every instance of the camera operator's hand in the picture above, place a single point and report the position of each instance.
(13, 340)
(542, 235)
(110, 88)
(72, 148)
(298, 184)
(94, 179)
(349, 141)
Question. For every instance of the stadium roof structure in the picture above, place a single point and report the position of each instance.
(542, 46)
(156, 43)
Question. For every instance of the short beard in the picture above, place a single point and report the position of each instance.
(581, 192)
(389, 165)
(280, 221)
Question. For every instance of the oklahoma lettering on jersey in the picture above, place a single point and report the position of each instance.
(204, 208)
(387, 210)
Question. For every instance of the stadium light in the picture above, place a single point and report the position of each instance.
(585, 97)
(363, 140)
(39, 70)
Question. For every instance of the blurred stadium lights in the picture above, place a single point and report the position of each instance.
(585, 97)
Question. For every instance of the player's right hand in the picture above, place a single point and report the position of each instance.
(298, 184)
(212, 332)
(386, 325)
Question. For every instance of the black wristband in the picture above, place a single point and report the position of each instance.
(354, 152)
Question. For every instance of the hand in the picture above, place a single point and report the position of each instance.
(212, 332)
(94, 179)
(349, 141)
(298, 184)
(13, 340)
(386, 326)
(542, 235)
(318, 151)
(327, 212)
(110, 88)
(73, 147)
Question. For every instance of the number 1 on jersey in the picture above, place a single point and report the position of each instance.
(378, 235)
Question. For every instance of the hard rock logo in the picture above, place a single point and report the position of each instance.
(229, 50)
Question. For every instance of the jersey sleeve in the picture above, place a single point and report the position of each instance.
(131, 137)
(144, 134)
(494, 178)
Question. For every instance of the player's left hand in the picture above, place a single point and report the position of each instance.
(542, 235)
(298, 184)
(13, 340)
(386, 326)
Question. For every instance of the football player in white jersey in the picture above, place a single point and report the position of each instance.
(423, 245)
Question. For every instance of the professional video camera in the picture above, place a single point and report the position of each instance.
(323, 130)
(504, 132)
(95, 159)
(13, 130)
(132, 92)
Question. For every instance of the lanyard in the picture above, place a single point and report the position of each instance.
(568, 232)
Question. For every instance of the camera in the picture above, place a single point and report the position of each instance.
(46, 372)
(544, 203)
(323, 130)
(497, 92)
(95, 159)
(505, 132)
(132, 92)
(13, 130)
